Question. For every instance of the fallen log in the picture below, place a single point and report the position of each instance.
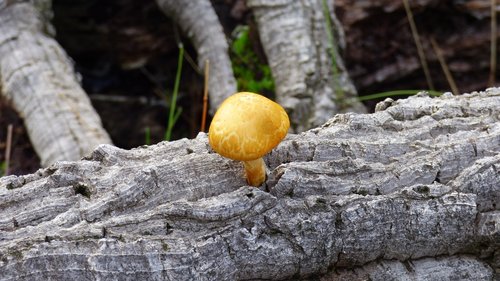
(411, 191)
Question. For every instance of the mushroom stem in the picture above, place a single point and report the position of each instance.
(256, 171)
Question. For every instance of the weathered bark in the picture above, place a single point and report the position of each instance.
(294, 37)
(38, 79)
(411, 191)
(442, 268)
(199, 22)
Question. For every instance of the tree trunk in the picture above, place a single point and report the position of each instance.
(409, 192)
(199, 22)
(37, 77)
(295, 38)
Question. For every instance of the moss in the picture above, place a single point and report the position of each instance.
(251, 73)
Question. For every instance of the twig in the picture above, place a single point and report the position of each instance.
(191, 62)
(205, 97)
(418, 43)
(188, 58)
(8, 148)
(151, 78)
(493, 46)
(444, 66)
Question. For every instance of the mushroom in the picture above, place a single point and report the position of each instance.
(246, 127)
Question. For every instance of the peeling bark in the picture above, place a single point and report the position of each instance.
(37, 77)
(199, 22)
(295, 39)
(411, 191)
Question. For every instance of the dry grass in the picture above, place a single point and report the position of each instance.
(444, 66)
(418, 43)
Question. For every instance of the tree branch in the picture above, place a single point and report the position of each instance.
(199, 22)
(38, 78)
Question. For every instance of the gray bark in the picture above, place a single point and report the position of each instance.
(410, 192)
(443, 268)
(294, 37)
(199, 22)
(37, 77)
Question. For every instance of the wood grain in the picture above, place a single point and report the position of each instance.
(409, 192)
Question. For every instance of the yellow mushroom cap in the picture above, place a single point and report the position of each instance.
(247, 126)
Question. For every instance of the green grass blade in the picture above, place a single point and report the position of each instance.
(147, 136)
(396, 93)
(173, 102)
(177, 114)
(331, 41)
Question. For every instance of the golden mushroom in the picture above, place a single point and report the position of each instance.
(246, 127)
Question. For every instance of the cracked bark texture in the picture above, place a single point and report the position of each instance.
(410, 192)
(199, 22)
(37, 77)
(295, 40)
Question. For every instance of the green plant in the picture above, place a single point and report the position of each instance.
(339, 93)
(175, 112)
(396, 93)
(147, 136)
(3, 168)
(251, 74)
